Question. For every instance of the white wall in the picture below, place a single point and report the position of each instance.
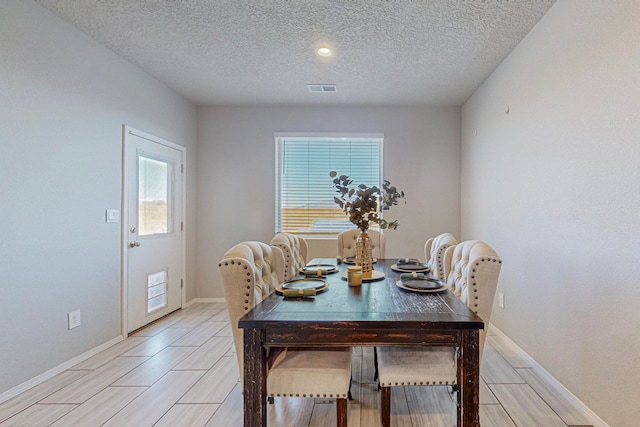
(64, 99)
(236, 174)
(554, 186)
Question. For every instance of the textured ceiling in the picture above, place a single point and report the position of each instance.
(262, 52)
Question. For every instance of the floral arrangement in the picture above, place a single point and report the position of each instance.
(361, 203)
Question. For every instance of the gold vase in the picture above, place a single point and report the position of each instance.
(364, 257)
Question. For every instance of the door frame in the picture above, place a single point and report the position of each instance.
(127, 132)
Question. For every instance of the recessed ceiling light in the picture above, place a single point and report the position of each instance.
(324, 51)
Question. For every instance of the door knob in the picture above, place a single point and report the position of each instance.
(134, 244)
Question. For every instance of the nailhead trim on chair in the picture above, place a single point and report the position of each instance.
(258, 280)
(417, 383)
(439, 260)
(331, 396)
(474, 285)
(475, 288)
(245, 267)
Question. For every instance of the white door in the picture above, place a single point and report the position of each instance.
(153, 246)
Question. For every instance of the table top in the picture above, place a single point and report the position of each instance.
(377, 304)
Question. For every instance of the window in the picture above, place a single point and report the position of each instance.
(304, 189)
(154, 193)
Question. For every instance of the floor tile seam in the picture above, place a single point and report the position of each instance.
(41, 398)
(203, 403)
(499, 354)
(517, 356)
(109, 359)
(536, 393)
(157, 379)
(114, 380)
(141, 394)
(548, 404)
(190, 369)
(502, 405)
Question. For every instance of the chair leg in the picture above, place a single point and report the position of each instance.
(341, 405)
(375, 363)
(385, 407)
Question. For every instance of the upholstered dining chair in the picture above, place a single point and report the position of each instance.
(294, 249)
(250, 271)
(347, 243)
(471, 270)
(434, 249)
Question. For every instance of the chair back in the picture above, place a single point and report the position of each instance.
(294, 249)
(347, 243)
(250, 271)
(434, 249)
(471, 269)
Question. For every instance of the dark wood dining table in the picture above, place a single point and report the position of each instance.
(378, 313)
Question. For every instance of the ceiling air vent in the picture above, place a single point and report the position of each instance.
(322, 88)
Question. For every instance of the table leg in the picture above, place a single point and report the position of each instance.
(469, 379)
(255, 379)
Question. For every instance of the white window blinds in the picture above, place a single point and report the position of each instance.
(304, 189)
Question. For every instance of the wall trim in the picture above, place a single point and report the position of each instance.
(30, 383)
(21, 388)
(197, 300)
(550, 379)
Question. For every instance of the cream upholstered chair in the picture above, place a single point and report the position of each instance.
(294, 249)
(434, 249)
(347, 243)
(250, 271)
(471, 269)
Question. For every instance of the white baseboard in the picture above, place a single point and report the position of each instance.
(21, 388)
(550, 380)
(197, 300)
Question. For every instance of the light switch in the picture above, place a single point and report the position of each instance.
(113, 215)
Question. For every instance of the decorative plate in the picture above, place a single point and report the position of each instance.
(318, 269)
(352, 260)
(421, 284)
(301, 284)
(410, 268)
(375, 276)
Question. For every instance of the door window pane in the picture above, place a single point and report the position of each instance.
(153, 196)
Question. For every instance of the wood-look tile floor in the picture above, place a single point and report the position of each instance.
(182, 371)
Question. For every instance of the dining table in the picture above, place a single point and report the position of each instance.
(377, 313)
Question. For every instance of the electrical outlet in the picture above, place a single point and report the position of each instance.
(73, 318)
(501, 299)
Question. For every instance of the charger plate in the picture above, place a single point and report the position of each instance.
(319, 285)
(352, 260)
(375, 276)
(410, 268)
(310, 269)
(421, 284)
